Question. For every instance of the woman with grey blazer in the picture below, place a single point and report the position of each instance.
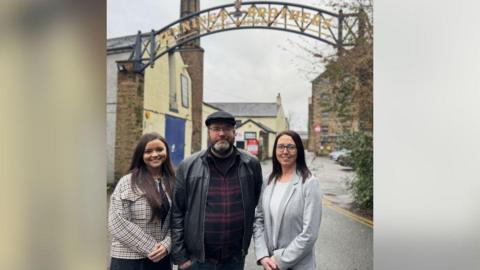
(288, 215)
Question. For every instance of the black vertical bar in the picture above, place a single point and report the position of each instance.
(303, 11)
(361, 25)
(269, 7)
(152, 48)
(320, 19)
(137, 65)
(340, 31)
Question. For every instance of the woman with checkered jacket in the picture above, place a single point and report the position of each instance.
(139, 213)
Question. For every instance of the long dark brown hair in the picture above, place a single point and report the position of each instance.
(302, 168)
(141, 178)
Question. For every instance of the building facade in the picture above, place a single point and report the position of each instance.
(118, 49)
(256, 138)
(168, 104)
(159, 100)
(324, 126)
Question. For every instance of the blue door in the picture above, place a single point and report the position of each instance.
(175, 136)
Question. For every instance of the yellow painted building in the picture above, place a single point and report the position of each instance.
(167, 101)
(167, 104)
(251, 129)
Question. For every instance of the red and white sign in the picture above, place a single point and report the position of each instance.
(252, 146)
(317, 128)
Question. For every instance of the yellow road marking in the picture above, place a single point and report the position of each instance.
(347, 213)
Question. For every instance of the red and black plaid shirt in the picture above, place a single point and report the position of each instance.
(224, 215)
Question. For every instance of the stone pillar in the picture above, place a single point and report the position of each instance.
(129, 121)
(188, 7)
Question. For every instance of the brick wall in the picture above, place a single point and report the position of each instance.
(192, 55)
(129, 120)
(310, 142)
(193, 58)
(316, 112)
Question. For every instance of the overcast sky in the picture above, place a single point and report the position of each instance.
(239, 66)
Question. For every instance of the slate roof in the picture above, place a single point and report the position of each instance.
(262, 126)
(211, 106)
(121, 43)
(249, 109)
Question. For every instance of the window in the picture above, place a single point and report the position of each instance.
(184, 86)
(324, 129)
(172, 88)
(173, 100)
(250, 135)
(241, 144)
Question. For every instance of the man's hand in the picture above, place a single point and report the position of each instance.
(158, 253)
(268, 263)
(185, 265)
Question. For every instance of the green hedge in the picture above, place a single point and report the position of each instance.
(361, 158)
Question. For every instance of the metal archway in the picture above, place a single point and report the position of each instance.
(339, 30)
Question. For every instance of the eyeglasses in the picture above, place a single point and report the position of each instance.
(218, 129)
(289, 147)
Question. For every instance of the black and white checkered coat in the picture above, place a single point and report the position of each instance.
(133, 235)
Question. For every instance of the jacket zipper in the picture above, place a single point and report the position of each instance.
(207, 177)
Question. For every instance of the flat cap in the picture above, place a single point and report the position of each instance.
(220, 116)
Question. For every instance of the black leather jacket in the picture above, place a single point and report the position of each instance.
(189, 201)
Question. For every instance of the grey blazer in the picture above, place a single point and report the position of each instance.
(299, 218)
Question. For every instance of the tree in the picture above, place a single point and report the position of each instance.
(350, 73)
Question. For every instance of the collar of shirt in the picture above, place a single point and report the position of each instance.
(223, 165)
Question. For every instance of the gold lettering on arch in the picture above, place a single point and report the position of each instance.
(195, 23)
(252, 11)
(316, 20)
(186, 26)
(261, 12)
(284, 12)
(273, 12)
(294, 15)
(306, 17)
(254, 16)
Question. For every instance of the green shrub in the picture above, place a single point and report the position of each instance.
(361, 158)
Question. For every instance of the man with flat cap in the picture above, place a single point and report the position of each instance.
(214, 201)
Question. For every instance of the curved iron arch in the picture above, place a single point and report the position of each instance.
(339, 30)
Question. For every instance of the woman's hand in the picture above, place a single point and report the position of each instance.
(158, 253)
(268, 263)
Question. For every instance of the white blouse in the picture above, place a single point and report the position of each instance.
(275, 202)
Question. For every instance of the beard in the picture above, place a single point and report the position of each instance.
(222, 146)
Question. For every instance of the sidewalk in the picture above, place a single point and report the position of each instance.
(334, 180)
